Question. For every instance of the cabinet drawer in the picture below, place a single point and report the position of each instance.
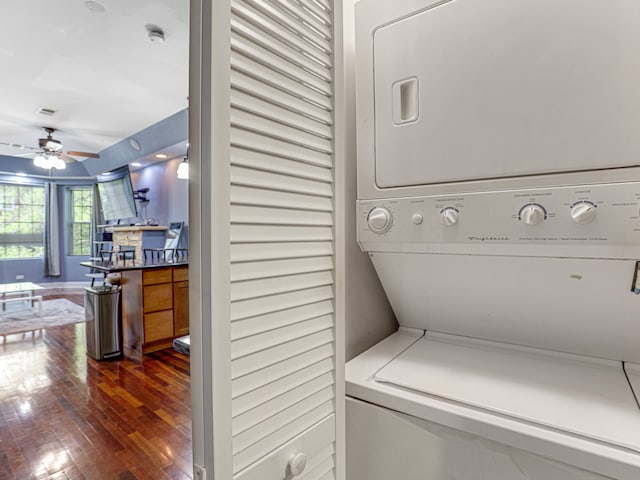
(158, 326)
(317, 443)
(155, 276)
(180, 274)
(157, 297)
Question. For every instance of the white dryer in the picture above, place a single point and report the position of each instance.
(499, 200)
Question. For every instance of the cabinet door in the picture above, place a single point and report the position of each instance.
(158, 326)
(180, 309)
(157, 297)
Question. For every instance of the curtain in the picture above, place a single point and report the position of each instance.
(96, 220)
(51, 232)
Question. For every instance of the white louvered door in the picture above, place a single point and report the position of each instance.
(281, 259)
(282, 275)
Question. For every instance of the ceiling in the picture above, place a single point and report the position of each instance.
(94, 64)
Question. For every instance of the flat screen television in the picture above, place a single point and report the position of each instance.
(116, 194)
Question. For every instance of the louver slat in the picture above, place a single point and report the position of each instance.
(285, 67)
(296, 426)
(277, 96)
(282, 218)
(258, 360)
(280, 371)
(255, 433)
(254, 398)
(270, 163)
(271, 286)
(320, 466)
(274, 198)
(284, 116)
(279, 336)
(327, 6)
(274, 303)
(316, 10)
(260, 72)
(282, 49)
(253, 233)
(279, 216)
(270, 408)
(267, 127)
(272, 251)
(265, 323)
(303, 16)
(312, 441)
(280, 33)
(304, 33)
(274, 181)
(255, 142)
(277, 268)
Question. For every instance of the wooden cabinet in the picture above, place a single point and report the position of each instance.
(180, 309)
(155, 307)
(180, 301)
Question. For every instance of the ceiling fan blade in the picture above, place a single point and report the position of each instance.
(18, 146)
(84, 154)
(27, 154)
(67, 158)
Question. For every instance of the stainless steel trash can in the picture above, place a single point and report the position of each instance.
(102, 313)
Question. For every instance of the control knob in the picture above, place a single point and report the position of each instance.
(449, 216)
(532, 214)
(379, 220)
(583, 212)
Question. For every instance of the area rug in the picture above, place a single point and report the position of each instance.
(54, 313)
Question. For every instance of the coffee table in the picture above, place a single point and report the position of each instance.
(19, 292)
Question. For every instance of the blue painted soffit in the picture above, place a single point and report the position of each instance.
(165, 133)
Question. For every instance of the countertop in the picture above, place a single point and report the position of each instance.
(123, 265)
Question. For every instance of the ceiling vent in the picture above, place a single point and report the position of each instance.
(46, 111)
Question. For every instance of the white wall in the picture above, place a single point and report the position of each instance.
(369, 317)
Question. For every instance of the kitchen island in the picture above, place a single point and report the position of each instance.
(155, 301)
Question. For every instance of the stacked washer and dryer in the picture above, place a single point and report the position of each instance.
(499, 201)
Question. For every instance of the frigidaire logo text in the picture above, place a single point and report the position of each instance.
(488, 239)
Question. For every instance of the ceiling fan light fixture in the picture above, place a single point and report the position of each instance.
(57, 162)
(41, 162)
(53, 145)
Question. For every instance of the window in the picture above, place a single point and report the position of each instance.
(81, 202)
(21, 221)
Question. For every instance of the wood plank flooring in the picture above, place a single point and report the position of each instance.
(64, 415)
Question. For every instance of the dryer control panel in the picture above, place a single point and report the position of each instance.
(575, 221)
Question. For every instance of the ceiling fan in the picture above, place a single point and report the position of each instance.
(49, 152)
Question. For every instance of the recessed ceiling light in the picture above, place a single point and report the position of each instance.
(161, 156)
(135, 144)
(136, 164)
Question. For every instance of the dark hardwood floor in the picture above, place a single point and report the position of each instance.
(64, 415)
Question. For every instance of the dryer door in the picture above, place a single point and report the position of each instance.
(499, 88)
